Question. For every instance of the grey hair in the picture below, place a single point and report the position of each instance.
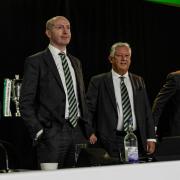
(118, 44)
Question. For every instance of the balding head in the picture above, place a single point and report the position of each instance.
(51, 22)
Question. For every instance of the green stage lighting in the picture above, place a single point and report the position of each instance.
(167, 2)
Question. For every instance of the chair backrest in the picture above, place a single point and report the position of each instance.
(168, 148)
(95, 157)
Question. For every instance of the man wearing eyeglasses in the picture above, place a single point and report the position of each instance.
(52, 101)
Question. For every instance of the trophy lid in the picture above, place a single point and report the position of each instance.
(16, 76)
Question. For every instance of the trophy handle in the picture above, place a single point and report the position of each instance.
(16, 87)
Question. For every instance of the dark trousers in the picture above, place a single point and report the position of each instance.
(58, 145)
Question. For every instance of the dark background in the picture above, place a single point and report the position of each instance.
(151, 29)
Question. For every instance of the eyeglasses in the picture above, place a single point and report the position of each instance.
(60, 27)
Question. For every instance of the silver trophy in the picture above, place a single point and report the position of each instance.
(16, 87)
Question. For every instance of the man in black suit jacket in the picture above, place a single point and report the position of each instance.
(44, 103)
(105, 108)
(168, 99)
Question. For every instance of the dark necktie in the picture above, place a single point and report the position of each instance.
(73, 110)
(126, 105)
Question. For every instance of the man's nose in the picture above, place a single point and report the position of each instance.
(124, 58)
(65, 30)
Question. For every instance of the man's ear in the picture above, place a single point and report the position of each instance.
(47, 33)
(110, 59)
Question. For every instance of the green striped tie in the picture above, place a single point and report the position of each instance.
(126, 105)
(73, 110)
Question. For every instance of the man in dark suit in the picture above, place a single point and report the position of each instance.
(168, 100)
(52, 101)
(105, 105)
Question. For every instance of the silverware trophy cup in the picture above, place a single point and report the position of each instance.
(16, 87)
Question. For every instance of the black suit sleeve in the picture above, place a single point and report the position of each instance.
(166, 92)
(150, 123)
(92, 96)
(82, 97)
(28, 95)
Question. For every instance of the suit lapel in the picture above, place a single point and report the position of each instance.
(133, 83)
(75, 67)
(136, 86)
(51, 64)
(110, 89)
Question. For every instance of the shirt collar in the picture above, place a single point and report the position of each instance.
(116, 75)
(55, 50)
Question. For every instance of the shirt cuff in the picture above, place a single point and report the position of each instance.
(152, 140)
(38, 134)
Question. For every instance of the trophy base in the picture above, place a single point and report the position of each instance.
(17, 114)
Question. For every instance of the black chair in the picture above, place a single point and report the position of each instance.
(94, 155)
(168, 148)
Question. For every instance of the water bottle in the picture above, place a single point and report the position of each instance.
(131, 146)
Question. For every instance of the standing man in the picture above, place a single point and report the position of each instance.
(168, 98)
(117, 98)
(52, 101)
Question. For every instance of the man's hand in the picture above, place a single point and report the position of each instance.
(151, 146)
(92, 139)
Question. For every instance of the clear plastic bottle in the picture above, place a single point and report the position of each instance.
(131, 146)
